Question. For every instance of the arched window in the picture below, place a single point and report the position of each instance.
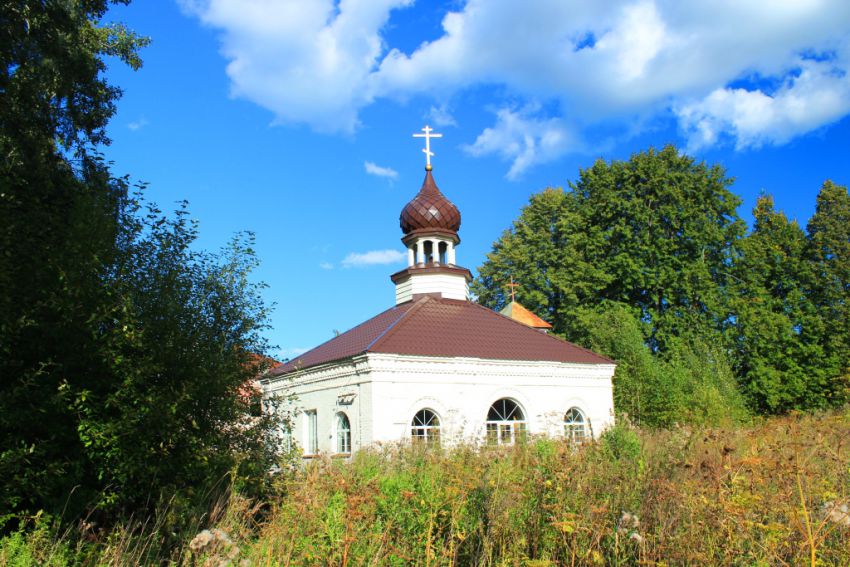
(505, 423)
(343, 434)
(576, 426)
(425, 427)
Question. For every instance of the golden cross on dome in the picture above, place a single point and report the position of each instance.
(513, 287)
(427, 135)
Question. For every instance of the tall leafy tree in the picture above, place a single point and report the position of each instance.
(776, 328)
(663, 227)
(542, 251)
(655, 233)
(651, 238)
(123, 353)
(829, 251)
(58, 228)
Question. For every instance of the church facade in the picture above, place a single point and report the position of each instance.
(438, 368)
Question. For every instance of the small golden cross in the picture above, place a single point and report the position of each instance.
(513, 287)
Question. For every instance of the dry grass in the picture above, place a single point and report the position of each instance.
(766, 494)
(760, 495)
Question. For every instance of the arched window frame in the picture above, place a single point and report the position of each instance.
(343, 434)
(506, 422)
(576, 426)
(426, 427)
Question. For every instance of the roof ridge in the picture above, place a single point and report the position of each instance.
(392, 328)
(553, 337)
(296, 359)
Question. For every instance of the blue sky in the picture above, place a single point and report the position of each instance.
(294, 119)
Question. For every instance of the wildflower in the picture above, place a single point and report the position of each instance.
(221, 536)
(628, 522)
(218, 543)
(836, 514)
(201, 541)
(636, 537)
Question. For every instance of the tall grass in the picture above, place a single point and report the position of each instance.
(754, 496)
(767, 494)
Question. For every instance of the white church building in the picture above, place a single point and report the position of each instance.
(437, 367)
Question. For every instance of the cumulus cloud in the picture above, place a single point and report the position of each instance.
(378, 171)
(372, 258)
(819, 94)
(307, 62)
(709, 64)
(524, 140)
(326, 265)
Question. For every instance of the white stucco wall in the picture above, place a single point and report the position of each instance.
(329, 389)
(385, 392)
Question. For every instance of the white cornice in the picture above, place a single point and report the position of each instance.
(375, 367)
(356, 366)
(397, 363)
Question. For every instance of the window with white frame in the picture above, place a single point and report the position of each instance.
(576, 426)
(505, 423)
(311, 443)
(343, 434)
(425, 427)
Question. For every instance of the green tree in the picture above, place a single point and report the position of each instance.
(542, 252)
(663, 228)
(640, 391)
(654, 235)
(776, 328)
(58, 211)
(123, 353)
(693, 382)
(829, 251)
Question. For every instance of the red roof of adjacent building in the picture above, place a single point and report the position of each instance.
(432, 326)
(519, 313)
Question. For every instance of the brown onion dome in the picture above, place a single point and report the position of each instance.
(429, 210)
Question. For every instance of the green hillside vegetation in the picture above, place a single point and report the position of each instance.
(773, 493)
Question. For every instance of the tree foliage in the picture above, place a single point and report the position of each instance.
(775, 325)
(124, 352)
(829, 253)
(653, 233)
(647, 261)
(631, 260)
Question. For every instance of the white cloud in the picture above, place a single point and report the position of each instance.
(326, 265)
(307, 62)
(377, 170)
(818, 95)
(614, 63)
(138, 124)
(372, 258)
(441, 117)
(524, 140)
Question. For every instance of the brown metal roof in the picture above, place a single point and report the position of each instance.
(429, 210)
(444, 328)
